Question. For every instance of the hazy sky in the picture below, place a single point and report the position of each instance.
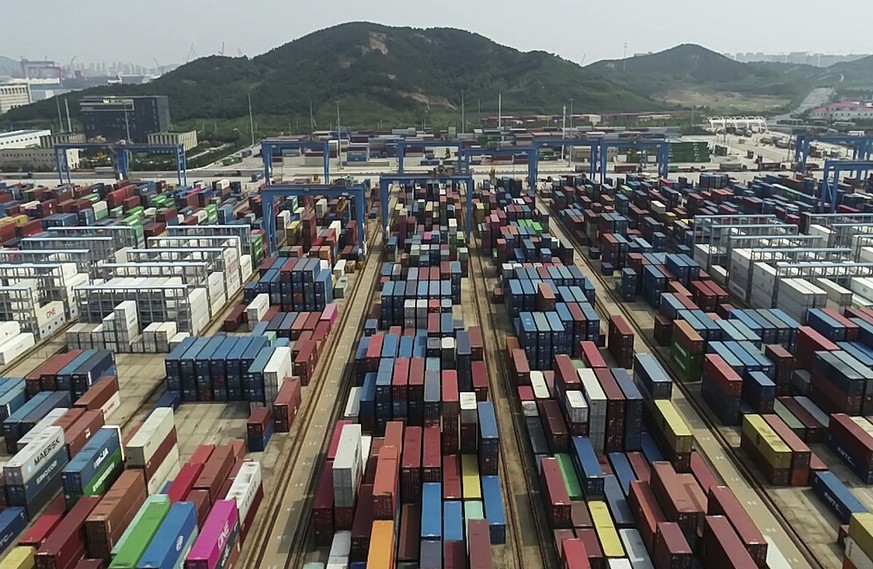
(140, 30)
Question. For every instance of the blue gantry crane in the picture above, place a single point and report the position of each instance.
(593, 144)
(120, 157)
(661, 147)
(402, 145)
(532, 153)
(862, 146)
(831, 179)
(271, 192)
(386, 180)
(271, 145)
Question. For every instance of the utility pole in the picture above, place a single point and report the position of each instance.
(571, 113)
(624, 59)
(563, 130)
(251, 119)
(339, 139)
(60, 120)
(69, 122)
(499, 110)
(311, 119)
(463, 115)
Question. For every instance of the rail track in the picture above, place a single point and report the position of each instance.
(693, 400)
(269, 516)
(530, 551)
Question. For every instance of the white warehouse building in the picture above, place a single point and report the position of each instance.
(34, 158)
(22, 138)
(187, 139)
(14, 94)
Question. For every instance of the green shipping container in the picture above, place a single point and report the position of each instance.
(473, 510)
(129, 554)
(789, 419)
(103, 479)
(690, 365)
(154, 505)
(571, 480)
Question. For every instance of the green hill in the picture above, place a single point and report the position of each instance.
(693, 67)
(375, 72)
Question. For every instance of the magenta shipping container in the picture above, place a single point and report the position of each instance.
(219, 534)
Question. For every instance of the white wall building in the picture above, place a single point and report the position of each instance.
(14, 94)
(34, 158)
(844, 112)
(186, 139)
(22, 138)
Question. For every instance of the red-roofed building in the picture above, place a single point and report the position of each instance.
(844, 111)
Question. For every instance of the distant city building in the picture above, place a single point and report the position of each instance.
(22, 138)
(34, 158)
(186, 139)
(847, 111)
(14, 94)
(125, 118)
(49, 140)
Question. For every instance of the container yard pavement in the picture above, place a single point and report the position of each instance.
(714, 452)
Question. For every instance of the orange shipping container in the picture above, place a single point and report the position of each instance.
(381, 554)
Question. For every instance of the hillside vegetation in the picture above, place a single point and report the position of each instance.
(374, 71)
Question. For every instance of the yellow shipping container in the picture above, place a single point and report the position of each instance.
(764, 438)
(675, 430)
(381, 554)
(472, 486)
(19, 558)
(861, 531)
(20, 219)
(605, 528)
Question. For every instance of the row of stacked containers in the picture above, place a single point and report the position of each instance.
(411, 477)
(786, 383)
(621, 481)
(93, 498)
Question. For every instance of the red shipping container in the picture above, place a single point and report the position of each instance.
(556, 428)
(410, 477)
(646, 510)
(431, 461)
(408, 539)
(184, 481)
(671, 550)
(557, 500)
(573, 554)
(322, 506)
(815, 431)
(454, 555)
(386, 487)
(722, 375)
(640, 465)
(45, 524)
(452, 487)
(82, 430)
(723, 502)
(676, 494)
(722, 547)
(287, 404)
(704, 475)
(200, 499)
(335, 438)
(64, 547)
(592, 547)
(591, 354)
(201, 454)
(479, 543)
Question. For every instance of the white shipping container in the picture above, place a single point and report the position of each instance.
(9, 330)
(16, 346)
(245, 486)
(353, 404)
(620, 563)
(26, 463)
(347, 466)
(111, 405)
(44, 423)
(635, 549)
(257, 308)
(538, 383)
(49, 312)
(577, 407)
(469, 408)
(529, 409)
(594, 394)
(159, 425)
(341, 546)
(166, 472)
(855, 554)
